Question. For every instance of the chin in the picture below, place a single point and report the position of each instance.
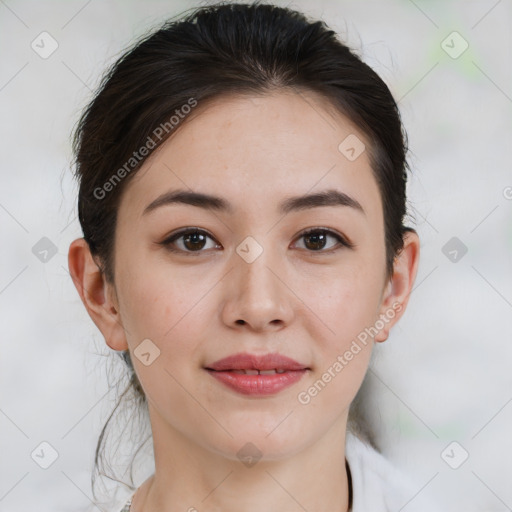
(257, 443)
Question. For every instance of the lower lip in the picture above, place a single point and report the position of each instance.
(258, 385)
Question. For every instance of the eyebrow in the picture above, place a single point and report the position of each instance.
(329, 197)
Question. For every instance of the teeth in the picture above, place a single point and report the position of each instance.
(260, 372)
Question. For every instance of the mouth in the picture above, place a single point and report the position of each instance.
(255, 372)
(255, 375)
(273, 362)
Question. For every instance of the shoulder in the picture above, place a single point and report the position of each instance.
(378, 485)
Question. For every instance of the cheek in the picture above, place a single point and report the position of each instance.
(167, 310)
(345, 302)
(158, 301)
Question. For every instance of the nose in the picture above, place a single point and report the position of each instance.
(257, 295)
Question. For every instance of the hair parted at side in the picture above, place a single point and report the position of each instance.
(211, 52)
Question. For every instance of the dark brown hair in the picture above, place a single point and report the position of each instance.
(212, 52)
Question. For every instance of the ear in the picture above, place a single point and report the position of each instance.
(97, 294)
(399, 286)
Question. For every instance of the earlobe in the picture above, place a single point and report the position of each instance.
(399, 287)
(98, 296)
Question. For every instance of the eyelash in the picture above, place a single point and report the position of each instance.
(343, 242)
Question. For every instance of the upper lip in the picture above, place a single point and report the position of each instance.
(245, 361)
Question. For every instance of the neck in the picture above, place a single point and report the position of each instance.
(194, 478)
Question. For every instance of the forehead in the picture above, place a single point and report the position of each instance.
(260, 148)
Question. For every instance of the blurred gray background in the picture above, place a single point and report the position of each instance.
(440, 389)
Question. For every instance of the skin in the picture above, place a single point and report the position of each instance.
(309, 305)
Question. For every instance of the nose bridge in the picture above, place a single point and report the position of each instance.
(255, 279)
(257, 296)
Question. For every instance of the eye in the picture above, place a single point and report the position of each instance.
(316, 240)
(194, 240)
(189, 240)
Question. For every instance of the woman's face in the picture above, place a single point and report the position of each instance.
(250, 281)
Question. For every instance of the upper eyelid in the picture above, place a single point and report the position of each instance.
(343, 240)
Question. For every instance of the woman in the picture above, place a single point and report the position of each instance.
(242, 195)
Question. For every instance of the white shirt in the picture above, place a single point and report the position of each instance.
(377, 485)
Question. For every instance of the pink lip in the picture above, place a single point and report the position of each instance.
(244, 361)
(257, 384)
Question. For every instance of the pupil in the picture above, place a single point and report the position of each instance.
(318, 241)
(193, 239)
